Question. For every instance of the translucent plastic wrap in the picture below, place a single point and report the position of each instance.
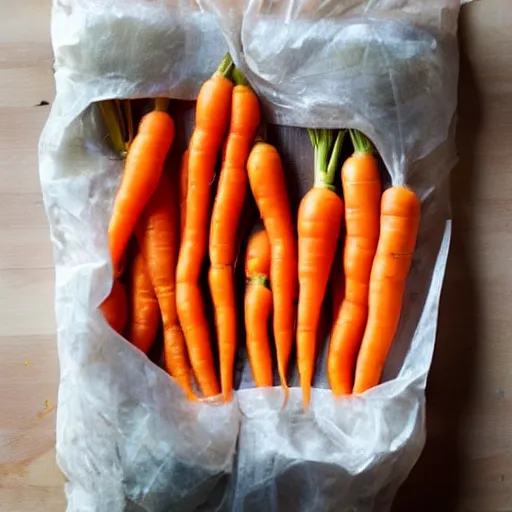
(127, 439)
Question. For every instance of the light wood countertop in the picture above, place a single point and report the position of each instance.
(467, 462)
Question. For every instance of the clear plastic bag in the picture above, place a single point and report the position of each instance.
(127, 439)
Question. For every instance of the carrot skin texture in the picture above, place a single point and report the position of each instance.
(257, 310)
(399, 224)
(227, 210)
(258, 307)
(115, 307)
(212, 117)
(158, 237)
(142, 171)
(183, 191)
(144, 310)
(266, 178)
(222, 289)
(319, 225)
(337, 284)
(361, 191)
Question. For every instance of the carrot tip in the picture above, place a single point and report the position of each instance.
(286, 390)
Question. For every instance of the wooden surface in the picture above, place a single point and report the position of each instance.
(467, 462)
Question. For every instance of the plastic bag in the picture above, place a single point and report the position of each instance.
(126, 437)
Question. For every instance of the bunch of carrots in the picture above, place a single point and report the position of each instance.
(167, 224)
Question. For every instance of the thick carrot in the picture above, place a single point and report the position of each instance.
(227, 209)
(258, 306)
(319, 224)
(144, 310)
(361, 191)
(399, 223)
(266, 178)
(115, 307)
(212, 118)
(142, 170)
(183, 191)
(158, 236)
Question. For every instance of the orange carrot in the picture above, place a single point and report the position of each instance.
(227, 209)
(399, 223)
(183, 191)
(337, 282)
(319, 224)
(158, 237)
(361, 190)
(212, 117)
(258, 306)
(266, 178)
(142, 170)
(258, 254)
(144, 311)
(115, 308)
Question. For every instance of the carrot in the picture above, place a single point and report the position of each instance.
(115, 308)
(257, 254)
(266, 178)
(337, 283)
(361, 191)
(142, 170)
(399, 223)
(144, 310)
(319, 223)
(212, 117)
(258, 306)
(183, 191)
(158, 236)
(227, 209)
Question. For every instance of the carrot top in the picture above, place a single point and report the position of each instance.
(117, 115)
(238, 77)
(226, 67)
(327, 150)
(259, 279)
(360, 142)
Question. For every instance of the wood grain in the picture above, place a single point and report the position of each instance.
(29, 477)
(467, 462)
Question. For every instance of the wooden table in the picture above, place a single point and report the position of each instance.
(467, 462)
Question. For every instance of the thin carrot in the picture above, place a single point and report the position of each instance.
(115, 308)
(142, 170)
(212, 118)
(227, 209)
(183, 191)
(144, 310)
(399, 223)
(361, 191)
(158, 236)
(337, 282)
(319, 224)
(266, 178)
(258, 306)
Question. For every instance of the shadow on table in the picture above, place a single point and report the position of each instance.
(435, 482)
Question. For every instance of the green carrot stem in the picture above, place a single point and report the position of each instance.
(333, 165)
(238, 77)
(360, 142)
(162, 104)
(326, 155)
(226, 66)
(115, 133)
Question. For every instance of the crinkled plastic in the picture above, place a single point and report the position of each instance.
(127, 439)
